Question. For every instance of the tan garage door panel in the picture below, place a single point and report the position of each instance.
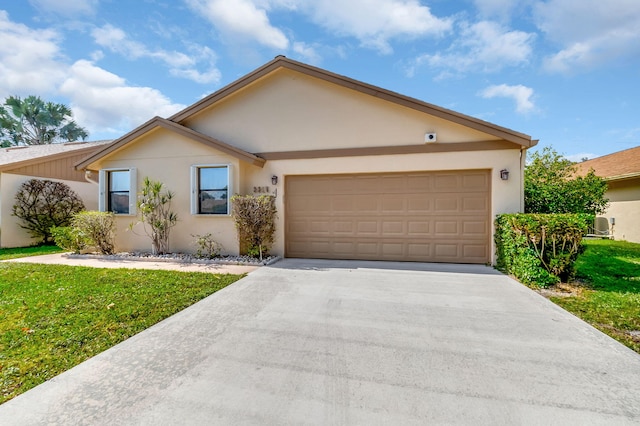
(420, 216)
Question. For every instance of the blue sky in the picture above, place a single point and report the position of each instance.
(566, 72)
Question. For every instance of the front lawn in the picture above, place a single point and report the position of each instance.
(608, 277)
(14, 253)
(53, 317)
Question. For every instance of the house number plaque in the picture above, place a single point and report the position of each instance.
(261, 190)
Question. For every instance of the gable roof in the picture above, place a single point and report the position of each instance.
(158, 122)
(283, 62)
(175, 122)
(21, 156)
(618, 165)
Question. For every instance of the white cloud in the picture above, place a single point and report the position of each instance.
(201, 55)
(519, 93)
(66, 7)
(103, 102)
(375, 22)
(501, 9)
(244, 19)
(29, 59)
(578, 54)
(590, 32)
(96, 55)
(576, 158)
(307, 52)
(115, 39)
(180, 64)
(484, 46)
(504, 11)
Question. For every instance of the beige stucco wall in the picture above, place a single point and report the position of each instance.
(291, 112)
(506, 195)
(624, 198)
(11, 234)
(165, 156)
(288, 111)
(168, 157)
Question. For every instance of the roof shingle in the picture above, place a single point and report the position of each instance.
(19, 154)
(618, 164)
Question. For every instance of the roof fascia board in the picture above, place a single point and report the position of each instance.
(281, 61)
(139, 131)
(227, 90)
(406, 101)
(176, 128)
(214, 143)
(47, 158)
(622, 177)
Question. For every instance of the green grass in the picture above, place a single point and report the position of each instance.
(52, 317)
(14, 253)
(610, 300)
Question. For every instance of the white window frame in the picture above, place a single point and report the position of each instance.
(195, 189)
(103, 184)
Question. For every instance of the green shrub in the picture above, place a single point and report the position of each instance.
(539, 249)
(552, 185)
(98, 229)
(255, 220)
(208, 248)
(42, 204)
(69, 238)
(254, 251)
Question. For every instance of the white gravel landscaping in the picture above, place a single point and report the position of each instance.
(178, 257)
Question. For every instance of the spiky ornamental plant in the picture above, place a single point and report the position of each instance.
(154, 207)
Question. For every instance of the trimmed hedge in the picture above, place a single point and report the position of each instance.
(539, 249)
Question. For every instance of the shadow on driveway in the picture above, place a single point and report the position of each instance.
(326, 264)
(324, 342)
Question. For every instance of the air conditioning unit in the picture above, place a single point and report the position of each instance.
(430, 137)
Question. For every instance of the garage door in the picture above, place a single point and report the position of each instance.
(419, 216)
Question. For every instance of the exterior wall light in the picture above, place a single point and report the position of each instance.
(274, 180)
(504, 174)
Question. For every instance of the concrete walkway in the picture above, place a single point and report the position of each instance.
(323, 342)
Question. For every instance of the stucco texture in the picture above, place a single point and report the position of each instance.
(624, 209)
(167, 157)
(13, 235)
(286, 112)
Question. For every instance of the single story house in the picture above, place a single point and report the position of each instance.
(54, 162)
(621, 170)
(357, 171)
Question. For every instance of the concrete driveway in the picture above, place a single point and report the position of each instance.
(324, 342)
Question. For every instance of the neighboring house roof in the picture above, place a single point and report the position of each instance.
(158, 122)
(284, 62)
(21, 156)
(618, 165)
